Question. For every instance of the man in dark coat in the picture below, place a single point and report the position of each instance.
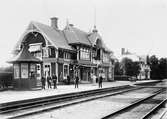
(43, 81)
(76, 81)
(54, 77)
(100, 81)
(68, 80)
(49, 79)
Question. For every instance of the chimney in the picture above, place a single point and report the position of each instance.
(54, 22)
(122, 51)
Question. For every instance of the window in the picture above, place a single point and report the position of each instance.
(105, 57)
(94, 54)
(61, 54)
(85, 54)
(67, 55)
(24, 70)
(38, 55)
(16, 71)
(65, 70)
(32, 70)
(98, 54)
(35, 48)
(52, 52)
(45, 52)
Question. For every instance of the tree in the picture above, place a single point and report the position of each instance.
(130, 68)
(136, 68)
(162, 68)
(153, 61)
(158, 67)
(117, 69)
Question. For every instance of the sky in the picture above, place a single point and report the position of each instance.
(137, 25)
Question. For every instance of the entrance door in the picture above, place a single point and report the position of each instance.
(71, 72)
(84, 77)
(47, 70)
(60, 72)
(53, 68)
(38, 71)
(85, 74)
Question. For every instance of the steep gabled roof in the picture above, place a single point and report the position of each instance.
(63, 38)
(93, 38)
(76, 36)
(25, 56)
(55, 36)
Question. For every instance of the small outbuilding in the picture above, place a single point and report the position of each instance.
(25, 69)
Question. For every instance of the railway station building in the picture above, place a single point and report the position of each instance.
(68, 51)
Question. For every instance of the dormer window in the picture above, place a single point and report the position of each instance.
(52, 52)
(98, 47)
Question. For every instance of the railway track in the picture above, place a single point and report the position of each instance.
(152, 113)
(163, 115)
(157, 107)
(23, 108)
(137, 109)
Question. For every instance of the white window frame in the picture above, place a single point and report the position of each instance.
(16, 71)
(64, 70)
(24, 70)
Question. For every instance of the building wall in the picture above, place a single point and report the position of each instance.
(144, 72)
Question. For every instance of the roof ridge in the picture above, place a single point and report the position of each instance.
(71, 28)
(43, 33)
(65, 36)
(85, 33)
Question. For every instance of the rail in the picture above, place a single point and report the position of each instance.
(132, 105)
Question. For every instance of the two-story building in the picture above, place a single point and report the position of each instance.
(68, 51)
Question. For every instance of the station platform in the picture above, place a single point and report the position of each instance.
(14, 95)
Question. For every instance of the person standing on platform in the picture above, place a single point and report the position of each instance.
(54, 77)
(76, 81)
(49, 81)
(100, 81)
(68, 79)
(43, 81)
(94, 79)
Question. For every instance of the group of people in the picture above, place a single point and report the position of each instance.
(98, 80)
(53, 80)
(49, 80)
